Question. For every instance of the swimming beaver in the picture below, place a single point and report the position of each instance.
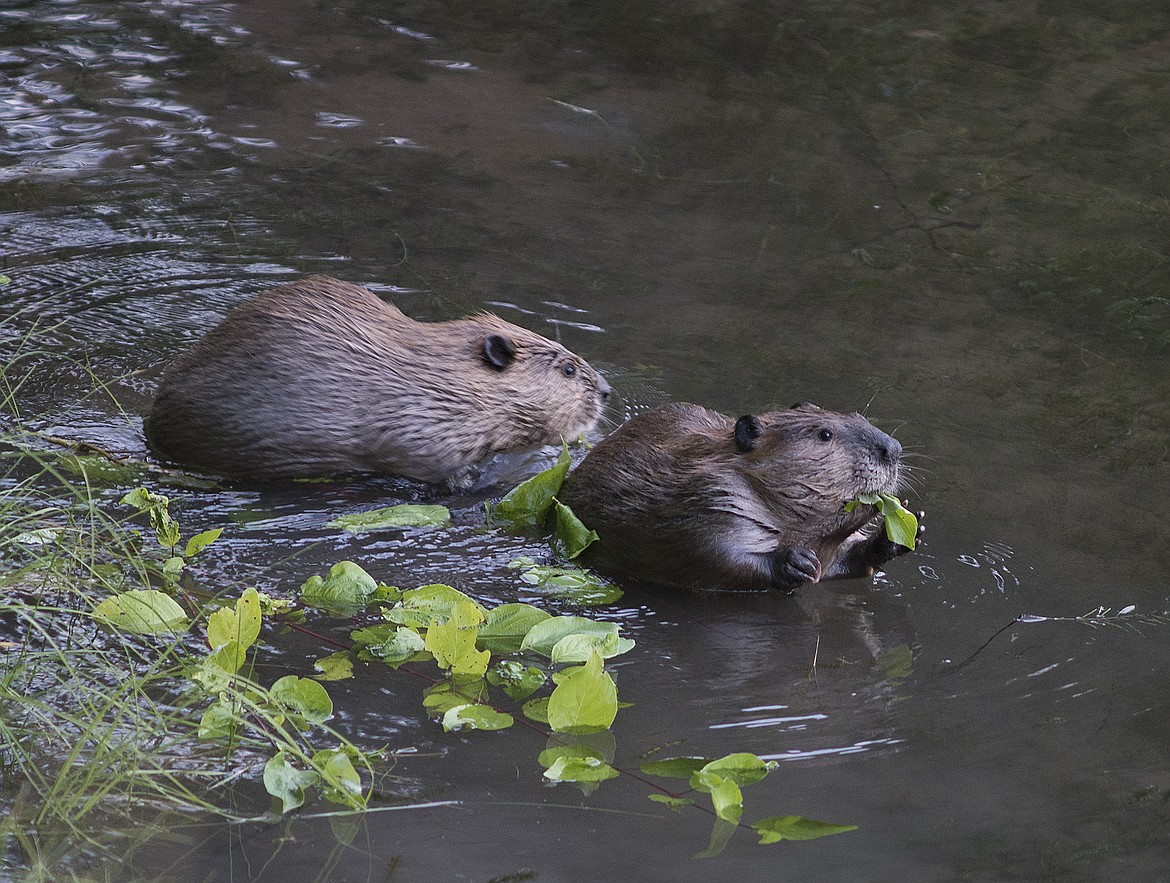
(689, 497)
(323, 377)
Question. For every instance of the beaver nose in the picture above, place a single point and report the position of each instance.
(889, 448)
(604, 389)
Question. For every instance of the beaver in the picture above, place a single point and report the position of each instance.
(322, 377)
(688, 497)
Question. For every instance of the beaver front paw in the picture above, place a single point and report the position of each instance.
(794, 565)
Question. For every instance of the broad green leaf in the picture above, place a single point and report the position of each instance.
(897, 663)
(576, 648)
(675, 767)
(201, 541)
(303, 697)
(537, 710)
(334, 667)
(504, 629)
(240, 623)
(527, 504)
(392, 644)
(570, 583)
(157, 507)
(571, 537)
(725, 794)
(674, 803)
(142, 612)
(777, 828)
(557, 752)
(515, 679)
(221, 720)
(580, 769)
(475, 717)
(742, 768)
(340, 782)
(419, 607)
(42, 536)
(440, 698)
(585, 698)
(172, 567)
(901, 524)
(347, 588)
(286, 783)
(454, 648)
(545, 635)
(405, 515)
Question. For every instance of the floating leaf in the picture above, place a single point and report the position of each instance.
(577, 647)
(570, 583)
(440, 698)
(392, 644)
(240, 623)
(505, 626)
(475, 717)
(340, 782)
(419, 607)
(580, 769)
(201, 541)
(334, 667)
(142, 612)
(302, 698)
(454, 647)
(900, 523)
(571, 537)
(286, 783)
(585, 698)
(405, 515)
(527, 504)
(725, 794)
(42, 536)
(536, 709)
(221, 720)
(545, 635)
(742, 768)
(673, 802)
(777, 828)
(515, 679)
(347, 588)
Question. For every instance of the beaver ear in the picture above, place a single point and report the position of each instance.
(747, 430)
(498, 351)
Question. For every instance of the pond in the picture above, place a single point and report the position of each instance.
(953, 220)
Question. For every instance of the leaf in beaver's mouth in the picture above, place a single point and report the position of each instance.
(901, 523)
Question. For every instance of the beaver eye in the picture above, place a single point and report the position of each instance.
(825, 435)
(568, 369)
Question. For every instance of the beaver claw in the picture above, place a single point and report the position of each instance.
(793, 565)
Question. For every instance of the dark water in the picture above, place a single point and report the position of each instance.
(953, 220)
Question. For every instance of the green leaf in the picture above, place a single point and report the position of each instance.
(221, 720)
(537, 710)
(675, 767)
(675, 803)
(516, 680)
(777, 828)
(240, 623)
(392, 644)
(201, 541)
(504, 628)
(475, 717)
(334, 667)
(576, 648)
(347, 588)
(142, 612)
(527, 504)
(420, 607)
(570, 583)
(725, 794)
(405, 515)
(742, 768)
(571, 537)
(721, 833)
(440, 698)
(340, 782)
(901, 524)
(585, 698)
(302, 697)
(286, 783)
(580, 769)
(454, 647)
(543, 637)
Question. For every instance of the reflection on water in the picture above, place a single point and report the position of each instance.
(952, 219)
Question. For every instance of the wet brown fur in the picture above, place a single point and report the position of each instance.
(686, 496)
(323, 377)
